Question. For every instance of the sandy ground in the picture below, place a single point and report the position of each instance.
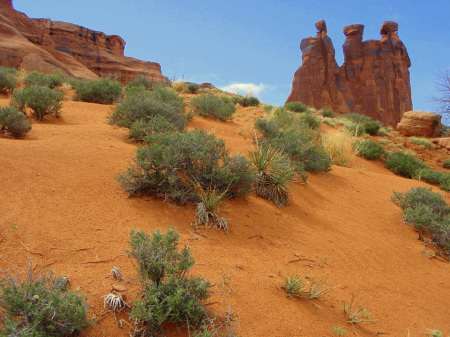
(61, 208)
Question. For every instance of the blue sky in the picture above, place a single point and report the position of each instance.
(255, 44)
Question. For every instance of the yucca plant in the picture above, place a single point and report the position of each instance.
(275, 172)
(208, 207)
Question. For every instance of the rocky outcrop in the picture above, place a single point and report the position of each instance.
(45, 45)
(374, 79)
(420, 123)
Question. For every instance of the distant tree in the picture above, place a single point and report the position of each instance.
(443, 86)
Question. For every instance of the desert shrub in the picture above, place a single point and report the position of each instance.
(296, 106)
(446, 164)
(429, 175)
(289, 133)
(140, 81)
(142, 128)
(159, 102)
(339, 147)
(357, 118)
(428, 212)
(356, 129)
(192, 88)
(212, 106)
(275, 172)
(327, 113)
(369, 149)
(42, 100)
(8, 79)
(330, 122)
(8, 70)
(37, 306)
(103, 91)
(245, 101)
(420, 141)
(44, 80)
(169, 293)
(444, 182)
(14, 122)
(404, 164)
(167, 166)
(312, 121)
(372, 127)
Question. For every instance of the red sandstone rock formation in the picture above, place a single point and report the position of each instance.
(45, 45)
(374, 79)
(420, 123)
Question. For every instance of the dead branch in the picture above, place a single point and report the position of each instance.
(29, 250)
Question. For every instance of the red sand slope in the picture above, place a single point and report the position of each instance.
(61, 208)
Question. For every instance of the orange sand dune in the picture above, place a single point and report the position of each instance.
(62, 208)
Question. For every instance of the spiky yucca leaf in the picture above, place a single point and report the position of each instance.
(275, 172)
(208, 206)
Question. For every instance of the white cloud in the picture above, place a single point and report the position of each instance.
(245, 88)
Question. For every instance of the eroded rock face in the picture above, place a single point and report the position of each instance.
(374, 79)
(420, 123)
(45, 45)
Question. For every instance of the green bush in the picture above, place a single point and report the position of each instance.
(245, 101)
(42, 100)
(327, 113)
(8, 80)
(356, 129)
(357, 118)
(43, 80)
(212, 106)
(290, 133)
(312, 121)
(369, 149)
(14, 122)
(169, 293)
(372, 127)
(428, 212)
(296, 107)
(429, 175)
(101, 91)
(36, 306)
(192, 88)
(172, 161)
(404, 164)
(420, 141)
(444, 183)
(141, 129)
(434, 177)
(140, 81)
(162, 102)
(446, 164)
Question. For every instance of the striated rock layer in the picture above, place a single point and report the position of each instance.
(374, 79)
(45, 45)
(420, 123)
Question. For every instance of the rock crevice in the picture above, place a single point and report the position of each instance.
(374, 79)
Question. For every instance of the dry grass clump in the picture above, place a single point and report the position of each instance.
(178, 86)
(339, 146)
(420, 141)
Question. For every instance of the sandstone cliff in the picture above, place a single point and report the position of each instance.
(45, 45)
(374, 79)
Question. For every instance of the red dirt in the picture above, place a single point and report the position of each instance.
(62, 208)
